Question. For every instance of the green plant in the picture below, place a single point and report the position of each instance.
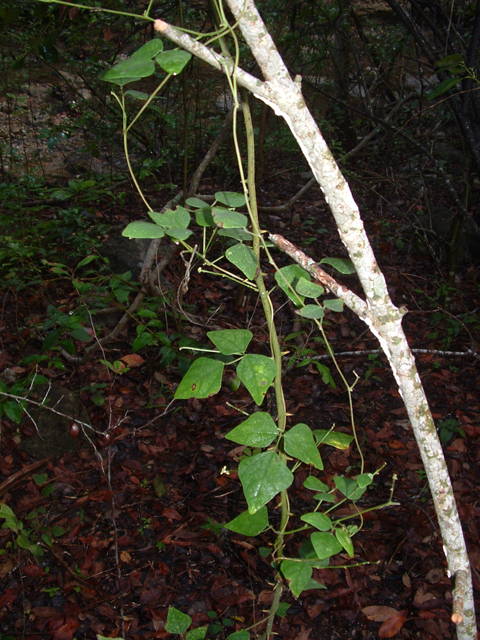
(264, 470)
(29, 539)
(145, 524)
(96, 389)
(178, 623)
(150, 334)
(215, 527)
(273, 451)
(374, 364)
(449, 428)
(81, 191)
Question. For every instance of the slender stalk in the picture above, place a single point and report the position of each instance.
(274, 346)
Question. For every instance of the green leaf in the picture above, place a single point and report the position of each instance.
(226, 219)
(196, 634)
(258, 430)
(139, 95)
(51, 339)
(203, 379)
(13, 410)
(318, 520)
(6, 512)
(231, 341)
(364, 479)
(86, 260)
(178, 234)
(203, 217)
(47, 538)
(309, 289)
(257, 373)
(449, 61)
(36, 550)
(62, 194)
(342, 265)
(349, 487)
(179, 218)
(314, 484)
(196, 203)
(244, 258)
(237, 234)
(149, 50)
(288, 278)
(325, 545)
(326, 374)
(282, 609)
(300, 443)
(23, 541)
(307, 552)
(173, 61)
(142, 229)
(335, 439)
(313, 584)
(297, 574)
(249, 524)
(79, 333)
(177, 621)
(324, 497)
(311, 311)
(345, 540)
(334, 304)
(231, 199)
(239, 635)
(40, 479)
(129, 71)
(143, 340)
(443, 87)
(263, 476)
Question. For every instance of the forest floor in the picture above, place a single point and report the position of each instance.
(142, 509)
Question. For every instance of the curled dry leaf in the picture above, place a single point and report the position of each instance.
(132, 360)
(393, 625)
(379, 613)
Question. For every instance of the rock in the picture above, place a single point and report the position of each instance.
(125, 254)
(52, 431)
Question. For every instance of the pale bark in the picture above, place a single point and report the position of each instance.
(284, 96)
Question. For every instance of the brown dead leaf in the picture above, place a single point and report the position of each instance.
(421, 597)
(393, 625)
(407, 581)
(314, 610)
(457, 446)
(132, 360)
(160, 377)
(265, 597)
(7, 566)
(379, 613)
(125, 557)
(236, 452)
(171, 514)
(150, 595)
(435, 575)
(158, 619)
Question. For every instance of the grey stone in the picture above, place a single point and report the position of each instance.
(52, 431)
